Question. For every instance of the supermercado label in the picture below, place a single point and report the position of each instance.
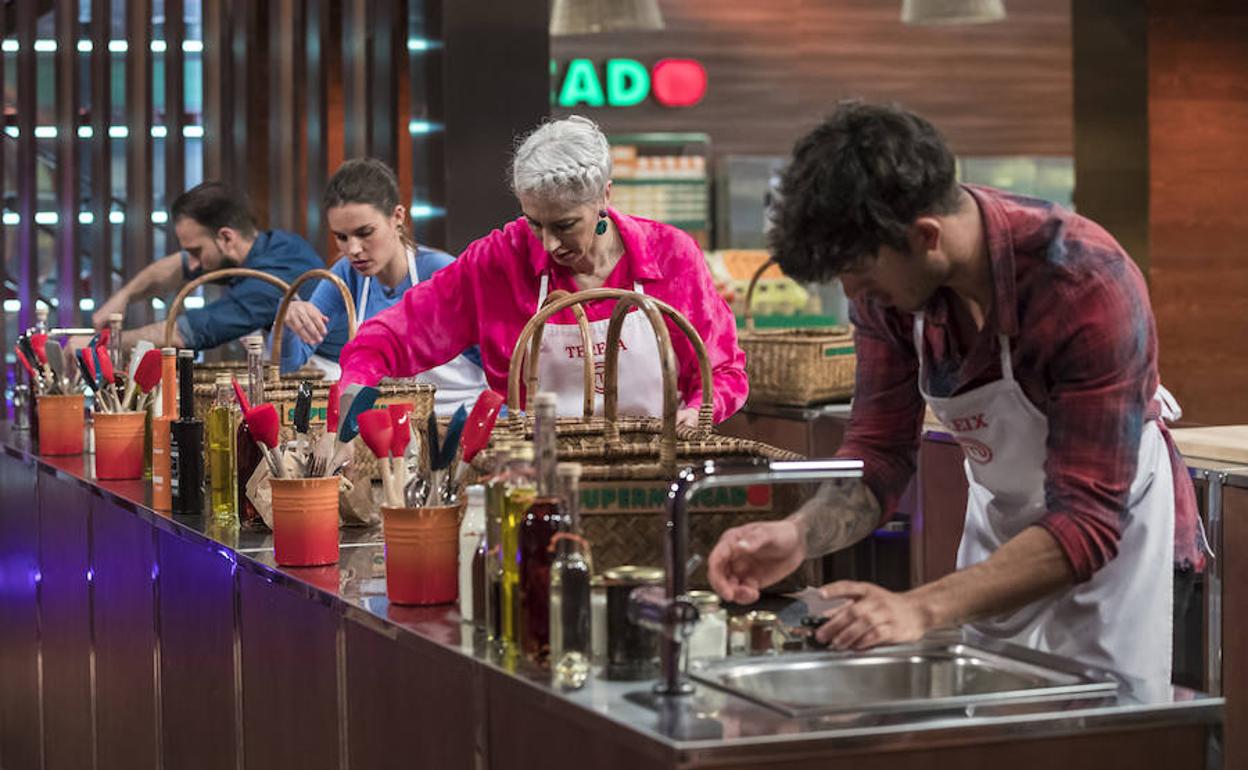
(651, 497)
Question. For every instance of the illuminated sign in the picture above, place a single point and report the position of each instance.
(627, 82)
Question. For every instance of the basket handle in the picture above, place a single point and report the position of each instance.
(215, 275)
(667, 362)
(279, 321)
(706, 411)
(582, 322)
(591, 295)
(749, 294)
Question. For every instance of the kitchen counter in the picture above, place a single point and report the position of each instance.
(187, 646)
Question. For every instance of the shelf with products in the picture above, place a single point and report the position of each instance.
(666, 177)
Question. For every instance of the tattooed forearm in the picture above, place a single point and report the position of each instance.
(840, 514)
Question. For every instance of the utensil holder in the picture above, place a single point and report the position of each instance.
(305, 521)
(61, 425)
(119, 445)
(422, 554)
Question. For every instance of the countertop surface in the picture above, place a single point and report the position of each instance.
(1221, 443)
(707, 723)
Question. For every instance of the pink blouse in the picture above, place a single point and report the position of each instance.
(488, 294)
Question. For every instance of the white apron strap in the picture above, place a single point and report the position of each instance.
(361, 301)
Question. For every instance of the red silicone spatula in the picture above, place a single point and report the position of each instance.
(25, 364)
(400, 417)
(478, 428)
(40, 343)
(263, 423)
(240, 396)
(378, 434)
(481, 422)
(146, 377)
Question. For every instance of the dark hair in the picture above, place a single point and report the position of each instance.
(856, 183)
(368, 181)
(215, 205)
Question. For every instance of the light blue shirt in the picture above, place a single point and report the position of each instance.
(327, 299)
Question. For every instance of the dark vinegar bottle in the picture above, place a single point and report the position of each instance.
(540, 523)
(248, 452)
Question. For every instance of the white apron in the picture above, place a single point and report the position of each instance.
(458, 381)
(1121, 619)
(561, 367)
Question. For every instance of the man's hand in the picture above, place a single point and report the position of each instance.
(749, 558)
(114, 304)
(872, 617)
(307, 321)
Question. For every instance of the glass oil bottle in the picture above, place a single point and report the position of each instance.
(222, 454)
(492, 543)
(521, 489)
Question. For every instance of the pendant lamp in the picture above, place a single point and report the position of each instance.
(583, 17)
(943, 12)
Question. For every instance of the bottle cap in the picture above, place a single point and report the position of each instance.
(253, 342)
(169, 351)
(569, 470)
(223, 378)
(115, 317)
(476, 493)
(186, 354)
(545, 398)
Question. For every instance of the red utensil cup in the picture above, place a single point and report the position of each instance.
(61, 425)
(422, 553)
(119, 445)
(305, 521)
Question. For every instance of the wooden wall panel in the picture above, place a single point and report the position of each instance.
(774, 68)
(1110, 41)
(1198, 140)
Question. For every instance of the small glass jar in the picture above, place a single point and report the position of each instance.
(709, 640)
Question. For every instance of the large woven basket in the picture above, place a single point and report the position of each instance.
(796, 366)
(631, 462)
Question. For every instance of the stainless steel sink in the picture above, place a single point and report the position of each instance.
(910, 677)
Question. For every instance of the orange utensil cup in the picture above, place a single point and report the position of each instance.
(61, 425)
(422, 554)
(305, 521)
(119, 445)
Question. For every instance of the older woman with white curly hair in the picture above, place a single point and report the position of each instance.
(568, 238)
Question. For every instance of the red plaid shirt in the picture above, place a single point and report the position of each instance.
(1084, 347)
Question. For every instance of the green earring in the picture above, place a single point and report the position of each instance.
(602, 227)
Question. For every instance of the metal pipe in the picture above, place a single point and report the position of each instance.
(709, 475)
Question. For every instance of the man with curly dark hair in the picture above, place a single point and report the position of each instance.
(1028, 332)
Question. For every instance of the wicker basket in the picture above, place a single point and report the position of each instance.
(796, 366)
(630, 462)
(282, 390)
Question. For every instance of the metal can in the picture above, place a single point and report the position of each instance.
(632, 651)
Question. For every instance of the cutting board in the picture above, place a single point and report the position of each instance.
(1224, 443)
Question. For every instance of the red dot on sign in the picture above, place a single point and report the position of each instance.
(678, 82)
(759, 494)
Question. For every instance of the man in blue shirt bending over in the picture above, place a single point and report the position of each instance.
(216, 230)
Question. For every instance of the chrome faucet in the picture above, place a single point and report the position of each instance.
(673, 615)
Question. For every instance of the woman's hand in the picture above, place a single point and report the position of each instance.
(307, 321)
(752, 557)
(687, 417)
